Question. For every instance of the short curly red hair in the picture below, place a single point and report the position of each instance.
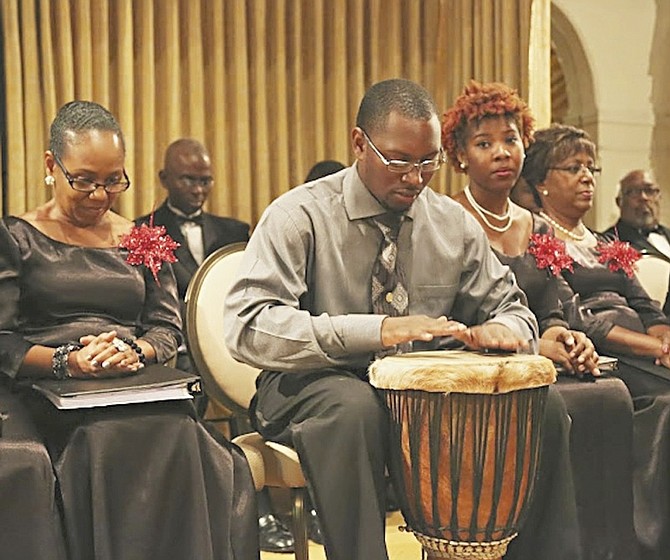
(477, 102)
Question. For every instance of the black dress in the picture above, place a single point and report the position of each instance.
(133, 481)
(600, 434)
(596, 299)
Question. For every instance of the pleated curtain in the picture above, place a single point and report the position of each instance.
(269, 86)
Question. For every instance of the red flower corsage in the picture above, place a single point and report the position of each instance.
(149, 245)
(618, 255)
(550, 253)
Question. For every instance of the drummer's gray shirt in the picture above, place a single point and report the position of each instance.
(301, 300)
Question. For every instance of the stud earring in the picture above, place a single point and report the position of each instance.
(463, 166)
(49, 181)
(545, 192)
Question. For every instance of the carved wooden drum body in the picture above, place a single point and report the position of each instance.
(466, 430)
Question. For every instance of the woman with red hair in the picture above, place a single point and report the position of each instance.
(484, 135)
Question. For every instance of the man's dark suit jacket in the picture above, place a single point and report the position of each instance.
(640, 242)
(217, 232)
(637, 239)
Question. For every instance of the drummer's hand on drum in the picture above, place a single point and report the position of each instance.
(492, 336)
(573, 350)
(396, 330)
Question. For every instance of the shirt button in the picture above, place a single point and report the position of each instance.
(389, 297)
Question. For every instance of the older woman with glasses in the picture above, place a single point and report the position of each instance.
(133, 481)
(602, 294)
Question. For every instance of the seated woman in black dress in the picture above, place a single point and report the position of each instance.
(485, 134)
(603, 295)
(134, 481)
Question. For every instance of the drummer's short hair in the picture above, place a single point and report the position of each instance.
(80, 116)
(405, 97)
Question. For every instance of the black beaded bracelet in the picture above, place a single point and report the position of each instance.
(136, 348)
(59, 366)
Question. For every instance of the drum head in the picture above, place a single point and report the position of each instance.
(449, 371)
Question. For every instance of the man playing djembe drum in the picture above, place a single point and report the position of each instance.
(316, 301)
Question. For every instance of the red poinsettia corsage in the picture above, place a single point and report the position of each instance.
(149, 245)
(618, 255)
(550, 253)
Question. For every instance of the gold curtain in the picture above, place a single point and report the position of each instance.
(270, 86)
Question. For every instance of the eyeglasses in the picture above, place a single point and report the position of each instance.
(82, 184)
(196, 181)
(404, 167)
(577, 168)
(636, 192)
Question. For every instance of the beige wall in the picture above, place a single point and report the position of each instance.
(613, 65)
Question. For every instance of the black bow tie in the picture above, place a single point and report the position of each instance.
(189, 219)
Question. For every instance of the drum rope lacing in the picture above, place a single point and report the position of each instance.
(455, 550)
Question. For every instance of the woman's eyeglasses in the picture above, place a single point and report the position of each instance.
(83, 184)
(577, 168)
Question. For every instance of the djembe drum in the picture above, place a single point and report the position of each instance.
(466, 430)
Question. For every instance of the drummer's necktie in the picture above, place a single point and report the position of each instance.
(389, 296)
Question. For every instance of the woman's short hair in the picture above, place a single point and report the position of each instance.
(477, 102)
(80, 116)
(550, 147)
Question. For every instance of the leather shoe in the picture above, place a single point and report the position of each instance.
(273, 535)
(314, 527)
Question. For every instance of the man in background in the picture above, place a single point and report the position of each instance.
(323, 168)
(639, 201)
(188, 179)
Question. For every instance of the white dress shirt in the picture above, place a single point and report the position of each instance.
(192, 232)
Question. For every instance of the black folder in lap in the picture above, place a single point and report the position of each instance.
(153, 383)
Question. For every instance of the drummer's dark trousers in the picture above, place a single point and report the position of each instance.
(339, 427)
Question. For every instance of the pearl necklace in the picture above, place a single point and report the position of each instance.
(566, 231)
(483, 212)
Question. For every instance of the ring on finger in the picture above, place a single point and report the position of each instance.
(120, 345)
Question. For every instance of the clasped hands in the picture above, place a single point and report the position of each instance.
(573, 350)
(662, 333)
(489, 336)
(103, 355)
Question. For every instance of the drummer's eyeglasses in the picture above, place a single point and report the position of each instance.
(404, 167)
(83, 184)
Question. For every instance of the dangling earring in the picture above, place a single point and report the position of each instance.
(545, 192)
(49, 181)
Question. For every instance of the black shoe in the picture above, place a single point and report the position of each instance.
(314, 527)
(273, 535)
